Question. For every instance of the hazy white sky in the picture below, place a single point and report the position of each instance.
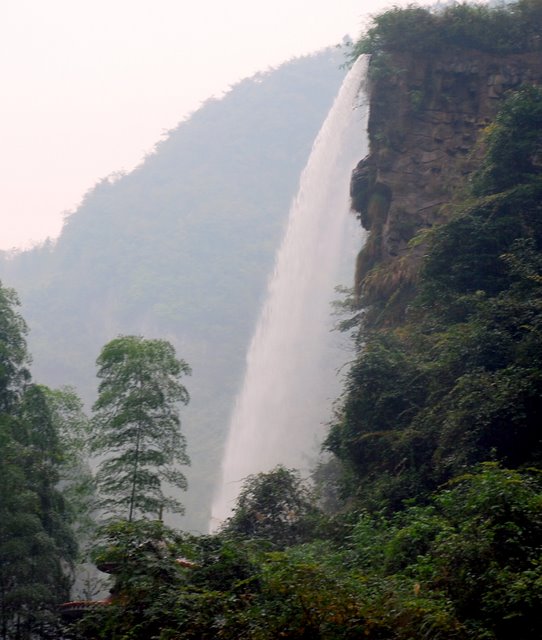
(87, 87)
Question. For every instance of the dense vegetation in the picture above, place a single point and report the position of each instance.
(49, 501)
(37, 544)
(514, 28)
(460, 381)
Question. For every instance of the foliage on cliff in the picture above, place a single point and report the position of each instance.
(461, 381)
(514, 144)
(514, 28)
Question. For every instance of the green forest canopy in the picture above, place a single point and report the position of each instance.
(514, 28)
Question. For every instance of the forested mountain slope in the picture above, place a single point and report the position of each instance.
(181, 248)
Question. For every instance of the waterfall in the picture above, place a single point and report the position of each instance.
(291, 374)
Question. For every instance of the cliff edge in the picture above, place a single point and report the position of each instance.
(427, 118)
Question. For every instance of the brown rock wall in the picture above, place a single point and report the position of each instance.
(427, 114)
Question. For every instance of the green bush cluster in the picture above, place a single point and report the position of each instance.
(466, 565)
(513, 28)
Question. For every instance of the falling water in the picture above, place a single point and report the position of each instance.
(291, 372)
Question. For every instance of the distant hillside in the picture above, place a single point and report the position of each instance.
(181, 248)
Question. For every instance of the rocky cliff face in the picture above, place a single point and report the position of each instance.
(427, 116)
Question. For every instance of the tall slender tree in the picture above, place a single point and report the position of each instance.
(137, 426)
(37, 546)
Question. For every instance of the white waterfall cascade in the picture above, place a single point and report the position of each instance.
(291, 376)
